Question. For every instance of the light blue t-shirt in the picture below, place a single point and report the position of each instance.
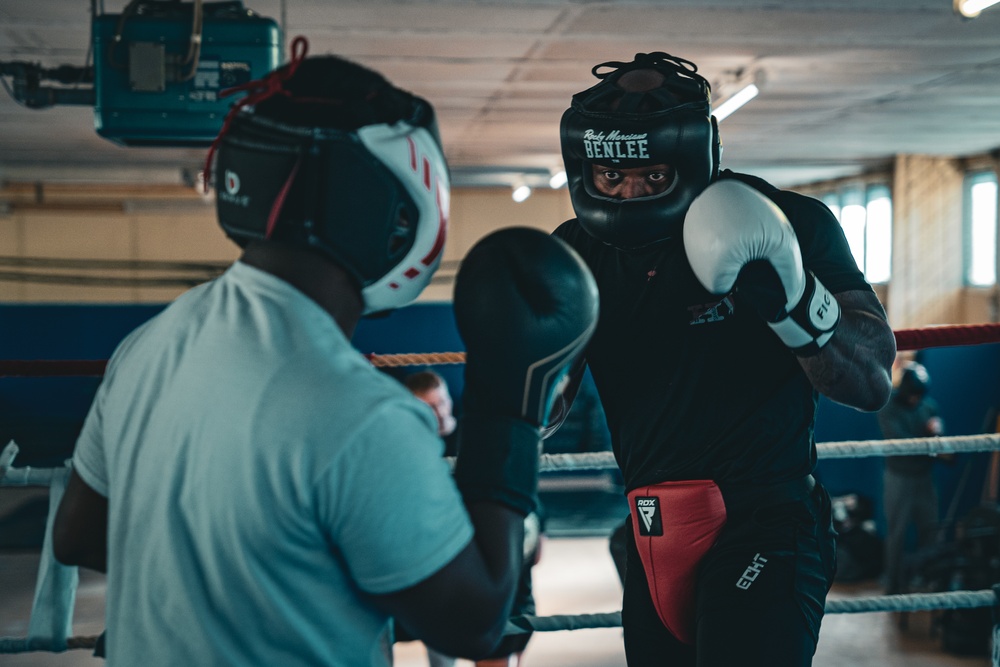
(262, 479)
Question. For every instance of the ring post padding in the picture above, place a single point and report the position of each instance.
(55, 591)
(996, 626)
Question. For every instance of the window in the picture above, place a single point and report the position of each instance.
(865, 213)
(878, 234)
(981, 228)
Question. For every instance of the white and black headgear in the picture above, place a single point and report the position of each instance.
(612, 127)
(326, 154)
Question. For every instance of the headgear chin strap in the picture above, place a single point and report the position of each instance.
(374, 199)
(671, 124)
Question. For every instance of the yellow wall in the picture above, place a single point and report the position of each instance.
(927, 283)
(131, 239)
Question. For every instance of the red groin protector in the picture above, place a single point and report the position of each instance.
(675, 524)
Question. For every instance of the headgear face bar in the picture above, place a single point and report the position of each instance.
(670, 125)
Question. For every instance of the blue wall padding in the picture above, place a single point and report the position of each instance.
(44, 415)
(67, 332)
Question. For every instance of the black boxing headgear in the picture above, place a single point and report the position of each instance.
(914, 382)
(610, 126)
(326, 154)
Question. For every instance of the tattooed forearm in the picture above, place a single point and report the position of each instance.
(854, 368)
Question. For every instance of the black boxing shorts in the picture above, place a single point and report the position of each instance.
(675, 524)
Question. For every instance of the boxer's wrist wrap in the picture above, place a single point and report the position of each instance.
(811, 323)
(498, 461)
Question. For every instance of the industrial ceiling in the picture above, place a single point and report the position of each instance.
(844, 84)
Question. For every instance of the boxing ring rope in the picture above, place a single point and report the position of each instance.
(947, 335)
(862, 605)
(50, 626)
(844, 449)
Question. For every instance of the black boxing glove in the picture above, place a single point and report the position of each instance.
(526, 306)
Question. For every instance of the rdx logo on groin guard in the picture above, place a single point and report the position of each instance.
(647, 509)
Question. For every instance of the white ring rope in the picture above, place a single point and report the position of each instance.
(28, 476)
(908, 602)
(28, 644)
(913, 602)
(525, 624)
(951, 444)
(954, 444)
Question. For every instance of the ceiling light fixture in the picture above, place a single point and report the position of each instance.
(558, 180)
(736, 101)
(521, 193)
(970, 9)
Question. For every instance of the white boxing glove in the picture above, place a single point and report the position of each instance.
(735, 236)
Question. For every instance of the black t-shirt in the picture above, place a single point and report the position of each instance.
(695, 387)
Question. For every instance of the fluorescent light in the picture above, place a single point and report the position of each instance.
(521, 193)
(558, 180)
(739, 99)
(971, 8)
